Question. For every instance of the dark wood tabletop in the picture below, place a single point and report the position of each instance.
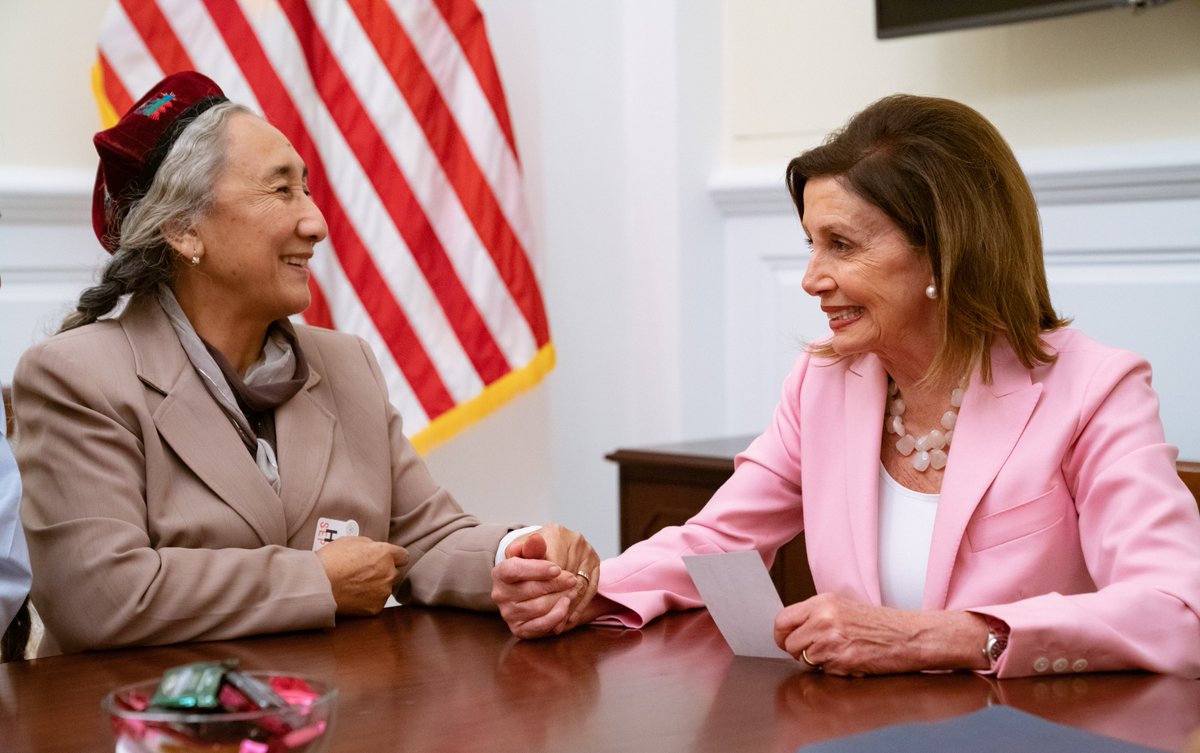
(418, 679)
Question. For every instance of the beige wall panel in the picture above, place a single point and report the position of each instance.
(796, 69)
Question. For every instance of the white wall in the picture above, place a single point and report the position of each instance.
(47, 117)
(47, 113)
(653, 135)
(617, 113)
(796, 69)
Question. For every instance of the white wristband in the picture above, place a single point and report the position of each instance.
(510, 537)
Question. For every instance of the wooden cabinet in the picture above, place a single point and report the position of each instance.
(664, 485)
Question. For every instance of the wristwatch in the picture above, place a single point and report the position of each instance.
(997, 641)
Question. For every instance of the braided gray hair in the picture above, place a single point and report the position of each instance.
(180, 195)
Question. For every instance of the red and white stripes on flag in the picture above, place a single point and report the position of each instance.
(397, 109)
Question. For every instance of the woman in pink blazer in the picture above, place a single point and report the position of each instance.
(980, 487)
(198, 468)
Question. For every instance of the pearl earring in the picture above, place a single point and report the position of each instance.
(195, 260)
(931, 292)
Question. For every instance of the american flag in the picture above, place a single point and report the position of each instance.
(397, 108)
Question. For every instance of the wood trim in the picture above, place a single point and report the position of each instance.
(709, 455)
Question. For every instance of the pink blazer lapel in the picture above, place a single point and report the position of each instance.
(866, 391)
(990, 422)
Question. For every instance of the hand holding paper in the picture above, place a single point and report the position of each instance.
(741, 599)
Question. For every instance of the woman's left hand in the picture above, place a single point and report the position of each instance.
(545, 582)
(844, 637)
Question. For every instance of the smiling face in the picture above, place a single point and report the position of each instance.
(870, 280)
(256, 239)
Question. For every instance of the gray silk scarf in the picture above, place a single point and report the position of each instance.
(277, 364)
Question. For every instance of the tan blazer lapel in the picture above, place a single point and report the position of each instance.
(192, 423)
(990, 422)
(866, 389)
(304, 440)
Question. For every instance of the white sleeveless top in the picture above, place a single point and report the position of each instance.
(905, 532)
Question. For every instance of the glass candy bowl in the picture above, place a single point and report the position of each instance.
(303, 726)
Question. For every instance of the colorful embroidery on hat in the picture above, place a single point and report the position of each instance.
(155, 107)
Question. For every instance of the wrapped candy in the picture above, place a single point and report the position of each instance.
(217, 708)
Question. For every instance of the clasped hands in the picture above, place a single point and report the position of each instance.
(541, 588)
(545, 582)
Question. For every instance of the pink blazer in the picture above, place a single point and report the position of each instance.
(1060, 513)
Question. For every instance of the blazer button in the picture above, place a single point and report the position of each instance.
(1079, 665)
(1060, 665)
(1041, 664)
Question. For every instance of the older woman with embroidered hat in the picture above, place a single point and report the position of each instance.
(980, 486)
(198, 468)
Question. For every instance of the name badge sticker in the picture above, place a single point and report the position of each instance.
(331, 529)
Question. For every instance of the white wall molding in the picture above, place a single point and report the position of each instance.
(1147, 183)
(1078, 175)
(1124, 256)
(45, 195)
(750, 190)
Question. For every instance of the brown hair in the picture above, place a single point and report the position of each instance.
(945, 176)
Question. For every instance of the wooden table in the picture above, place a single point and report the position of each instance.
(419, 679)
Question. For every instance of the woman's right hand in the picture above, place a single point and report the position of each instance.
(361, 572)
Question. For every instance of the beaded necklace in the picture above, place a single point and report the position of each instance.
(930, 449)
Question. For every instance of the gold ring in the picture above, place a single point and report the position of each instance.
(583, 575)
(804, 656)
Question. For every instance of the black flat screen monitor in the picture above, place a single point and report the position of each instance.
(902, 18)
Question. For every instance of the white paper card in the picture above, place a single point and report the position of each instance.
(741, 599)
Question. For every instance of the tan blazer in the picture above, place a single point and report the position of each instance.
(149, 523)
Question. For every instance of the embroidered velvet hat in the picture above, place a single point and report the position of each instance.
(132, 150)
